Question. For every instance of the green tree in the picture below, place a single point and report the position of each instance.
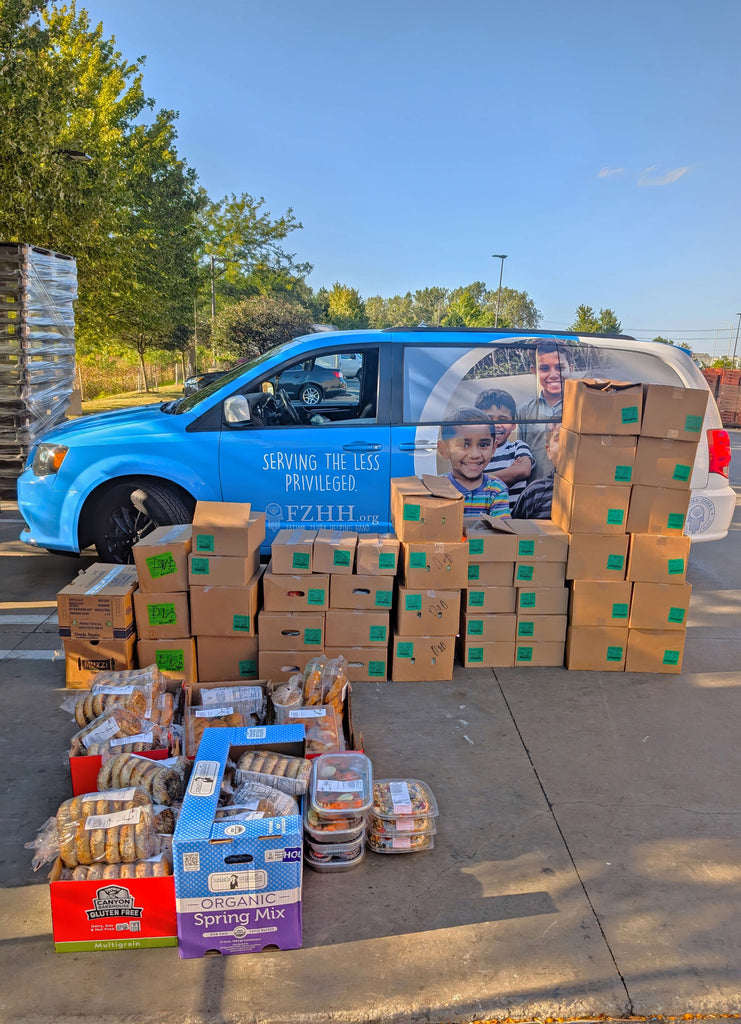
(589, 322)
(430, 305)
(516, 308)
(246, 329)
(465, 311)
(346, 309)
(665, 341)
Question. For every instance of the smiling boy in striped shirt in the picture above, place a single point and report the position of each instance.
(466, 441)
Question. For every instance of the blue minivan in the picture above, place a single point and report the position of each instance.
(108, 479)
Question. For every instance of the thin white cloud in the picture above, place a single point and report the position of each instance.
(649, 178)
(606, 172)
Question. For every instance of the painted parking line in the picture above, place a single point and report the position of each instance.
(26, 620)
(16, 655)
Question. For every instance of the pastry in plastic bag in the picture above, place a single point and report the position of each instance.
(165, 781)
(312, 679)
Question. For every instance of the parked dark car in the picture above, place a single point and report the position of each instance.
(200, 380)
(311, 383)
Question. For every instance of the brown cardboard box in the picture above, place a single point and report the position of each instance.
(367, 627)
(422, 658)
(225, 611)
(590, 508)
(499, 539)
(221, 657)
(545, 653)
(334, 551)
(596, 458)
(361, 592)
(222, 570)
(291, 631)
(657, 510)
(542, 601)
(83, 659)
(161, 615)
(659, 606)
(441, 564)
(430, 613)
(596, 557)
(664, 463)
(487, 628)
(295, 593)
(281, 665)
(98, 603)
(596, 648)
(537, 629)
(486, 654)
(654, 650)
(540, 574)
(175, 658)
(161, 559)
(491, 574)
(491, 540)
(291, 552)
(489, 600)
(656, 559)
(364, 664)
(426, 509)
(675, 413)
(598, 603)
(377, 554)
(602, 406)
(227, 528)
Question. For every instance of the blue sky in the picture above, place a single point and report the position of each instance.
(595, 143)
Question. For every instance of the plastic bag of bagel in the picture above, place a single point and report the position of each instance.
(87, 706)
(251, 700)
(165, 781)
(252, 799)
(279, 771)
(119, 731)
(158, 866)
(150, 676)
(112, 827)
(212, 716)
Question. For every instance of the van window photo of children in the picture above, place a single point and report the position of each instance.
(512, 461)
(467, 442)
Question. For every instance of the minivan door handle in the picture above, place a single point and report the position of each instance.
(361, 446)
(418, 446)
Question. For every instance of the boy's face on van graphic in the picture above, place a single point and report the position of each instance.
(552, 368)
(503, 423)
(469, 452)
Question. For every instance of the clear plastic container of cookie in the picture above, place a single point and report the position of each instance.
(403, 798)
(399, 844)
(341, 783)
(403, 825)
(335, 857)
(345, 829)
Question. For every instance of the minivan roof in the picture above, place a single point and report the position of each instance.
(503, 331)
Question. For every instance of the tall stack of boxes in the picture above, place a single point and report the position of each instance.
(224, 579)
(622, 492)
(427, 515)
(161, 603)
(515, 604)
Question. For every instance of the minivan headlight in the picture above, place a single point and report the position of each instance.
(48, 459)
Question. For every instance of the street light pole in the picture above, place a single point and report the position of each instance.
(494, 256)
(733, 361)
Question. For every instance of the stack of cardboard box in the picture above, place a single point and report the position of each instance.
(427, 515)
(622, 492)
(515, 604)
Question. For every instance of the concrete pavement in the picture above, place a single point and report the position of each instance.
(587, 860)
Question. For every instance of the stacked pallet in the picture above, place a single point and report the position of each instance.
(725, 387)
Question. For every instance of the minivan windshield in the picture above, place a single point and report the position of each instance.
(189, 402)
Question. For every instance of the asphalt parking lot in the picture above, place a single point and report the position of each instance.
(587, 859)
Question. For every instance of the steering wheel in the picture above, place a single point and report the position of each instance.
(285, 405)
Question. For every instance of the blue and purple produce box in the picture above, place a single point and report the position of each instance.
(237, 883)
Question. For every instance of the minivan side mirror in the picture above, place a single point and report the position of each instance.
(237, 409)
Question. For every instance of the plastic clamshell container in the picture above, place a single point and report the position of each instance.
(400, 844)
(332, 830)
(402, 826)
(341, 783)
(322, 727)
(330, 853)
(333, 866)
(403, 798)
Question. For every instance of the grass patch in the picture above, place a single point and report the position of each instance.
(132, 399)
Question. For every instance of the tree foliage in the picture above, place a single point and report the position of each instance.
(467, 306)
(589, 322)
(246, 329)
(665, 341)
(345, 307)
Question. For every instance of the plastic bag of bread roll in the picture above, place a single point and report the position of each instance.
(165, 781)
(322, 729)
(255, 800)
(279, 771)
(251, 700)
(312, 679)
(158, 866)
(334, 683)
(212, 716)
(114, 723)
(148, 676)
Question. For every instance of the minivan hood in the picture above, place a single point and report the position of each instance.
(115, 421)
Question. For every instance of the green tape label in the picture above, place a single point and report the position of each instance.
(417, 560)
(675, 615)
(413, 602)
(693, 424)
(527, 599)
(404, 649)
(384, 598)
(377, 633)
(474, 571)
(162, 615)
(241, 623)
(200, 566)
(620, 611)
(386, 560)
(412, 513)
(524, 654)
(614, 654)
(475, 627)
(526, 629)
(170, 661)
(675, 521)
(615, 516)
(615, 562)
(161, 565)
(629, 414)
(248, 669)
(377, 669)
(681, 472)
(670, 658)
(475, 598)
(341, 558)
(300, 560)
(205, 542)
(475, 545)
(316, 596)
(525, 572)
(525, 548)
(312, 637)
(474, 655)
(675, 566)
(623, 474)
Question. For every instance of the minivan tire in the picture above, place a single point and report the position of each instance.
(126, 513)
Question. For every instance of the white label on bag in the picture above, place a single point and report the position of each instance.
(400, 797)
(308, 713)
(118, 794)
(116, 690)
(253, 694)
(213, 712)
(101, 732)
(140, 737)
(130, 817)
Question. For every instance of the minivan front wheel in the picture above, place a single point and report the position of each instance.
(126, 513)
